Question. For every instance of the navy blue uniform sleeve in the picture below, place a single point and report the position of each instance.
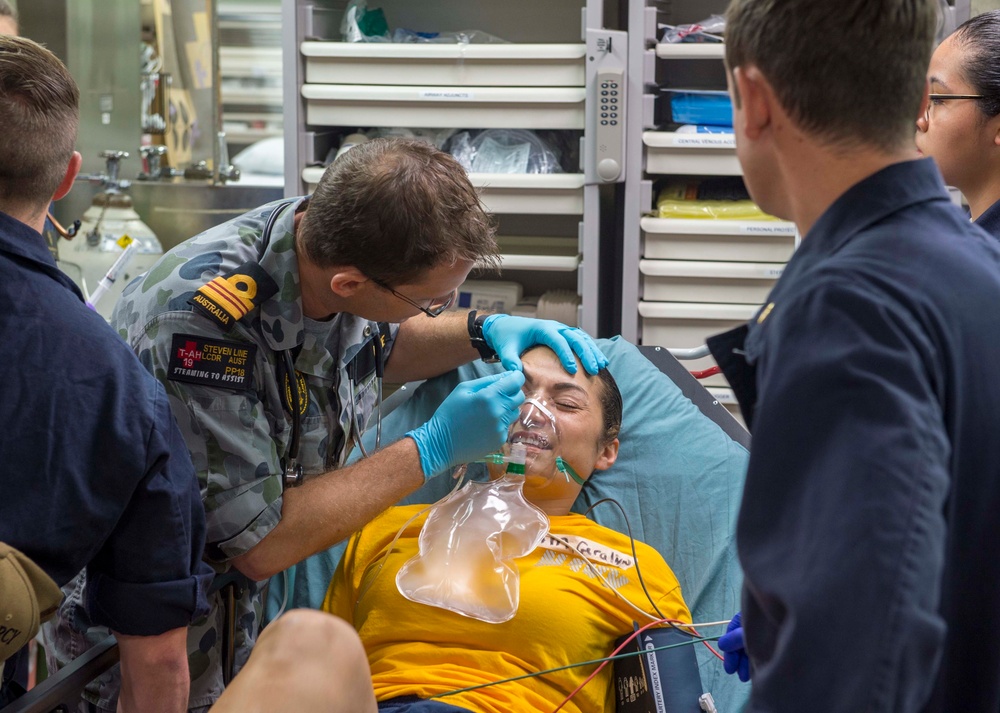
(149, 577)
(842, 531)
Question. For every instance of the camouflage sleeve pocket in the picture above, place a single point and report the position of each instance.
(241, 477)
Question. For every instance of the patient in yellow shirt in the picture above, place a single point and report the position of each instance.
(567, 614)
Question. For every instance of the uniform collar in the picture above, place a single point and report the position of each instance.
(869, 201)
(281, 315)
(17, 238)
(865, 203)
(990, 220)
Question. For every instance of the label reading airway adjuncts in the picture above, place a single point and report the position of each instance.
(447, 96)
(220, 363)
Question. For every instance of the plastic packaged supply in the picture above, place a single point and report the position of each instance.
(681, 199)
(713, 108)
(468, 544)
(709, 30)
(363, 25)
(560, 305)
(505, 151)
(489, 295)
(462, 37)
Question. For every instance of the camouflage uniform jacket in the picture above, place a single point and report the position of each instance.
(238, 433)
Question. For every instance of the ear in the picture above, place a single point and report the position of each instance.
(925, 102)
(756, 100)
(607, 456)
(347, 281)
(72, 170)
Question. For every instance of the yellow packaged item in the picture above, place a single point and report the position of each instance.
(679, 199)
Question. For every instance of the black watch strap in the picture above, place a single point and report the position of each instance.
(477, 340)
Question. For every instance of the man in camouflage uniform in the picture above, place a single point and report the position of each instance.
(295, 307)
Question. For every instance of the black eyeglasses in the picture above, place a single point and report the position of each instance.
(940, 98)
(436, 306)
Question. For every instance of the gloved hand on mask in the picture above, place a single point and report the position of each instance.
(510, 336)
(735, 659)
(471, 422)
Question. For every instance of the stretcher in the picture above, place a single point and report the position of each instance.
(686, 477)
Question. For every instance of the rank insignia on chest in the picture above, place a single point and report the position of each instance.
(230, 297)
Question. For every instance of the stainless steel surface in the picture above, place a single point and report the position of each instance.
(98, 41)
(176, 209)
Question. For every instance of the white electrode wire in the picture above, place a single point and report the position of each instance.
(601, 577)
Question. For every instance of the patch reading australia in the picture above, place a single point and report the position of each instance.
(211, 362)
(229, 298)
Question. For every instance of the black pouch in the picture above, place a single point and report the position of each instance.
(660, 681)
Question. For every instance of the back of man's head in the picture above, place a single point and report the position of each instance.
(394, 208)
(849, 72)
(39, 114)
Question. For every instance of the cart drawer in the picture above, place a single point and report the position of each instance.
(445, 107)
(469, 65)
(726, 240)
(698, 281)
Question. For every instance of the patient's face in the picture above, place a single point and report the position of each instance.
(575, 402)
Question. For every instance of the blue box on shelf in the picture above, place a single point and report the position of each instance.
(701, 107)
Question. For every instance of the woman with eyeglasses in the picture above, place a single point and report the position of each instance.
(961, 128)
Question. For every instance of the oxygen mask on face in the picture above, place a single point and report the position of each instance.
(468, 544)
(536, 430)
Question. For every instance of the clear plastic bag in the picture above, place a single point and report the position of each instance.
(709, 30)
(505, 151)
(462, 37)
(360, 24)
(470, 538)
(466, 547)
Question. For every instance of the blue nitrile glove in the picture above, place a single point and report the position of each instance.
(471, 422)
(509, 336)
(735, 659)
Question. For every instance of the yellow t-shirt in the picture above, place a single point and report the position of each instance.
(566, 615)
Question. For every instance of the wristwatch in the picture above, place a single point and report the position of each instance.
(476, 337)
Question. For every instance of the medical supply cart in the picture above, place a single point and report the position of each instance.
(686, 279)
(557, 70)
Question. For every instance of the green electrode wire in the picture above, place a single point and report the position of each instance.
(561, 465)
(575, 665)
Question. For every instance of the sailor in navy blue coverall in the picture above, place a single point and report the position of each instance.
(94, 471)
(870, 520)
(870, 523)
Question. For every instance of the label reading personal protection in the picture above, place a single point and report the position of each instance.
(219, 363)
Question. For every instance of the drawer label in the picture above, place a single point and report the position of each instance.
(446, 96)
(719, 140)
(765, 229)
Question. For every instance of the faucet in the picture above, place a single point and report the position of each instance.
(109, 179)
(152, 164)
(225, 171)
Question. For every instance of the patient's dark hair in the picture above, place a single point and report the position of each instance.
(611, 405)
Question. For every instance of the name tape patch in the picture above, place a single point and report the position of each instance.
(211, 362)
